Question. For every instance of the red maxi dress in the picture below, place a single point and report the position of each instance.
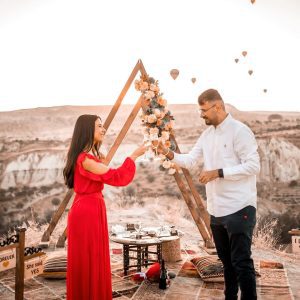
(88, 268)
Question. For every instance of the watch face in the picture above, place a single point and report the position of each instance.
(220, 172)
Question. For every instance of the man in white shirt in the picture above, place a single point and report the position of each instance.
(231, 163)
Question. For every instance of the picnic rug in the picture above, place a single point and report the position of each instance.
(272, 283)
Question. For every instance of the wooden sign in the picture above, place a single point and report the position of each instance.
(7, 259)
(34, 267)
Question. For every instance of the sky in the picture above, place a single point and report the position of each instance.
(71, 52)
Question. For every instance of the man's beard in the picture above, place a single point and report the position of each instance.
(207, 122)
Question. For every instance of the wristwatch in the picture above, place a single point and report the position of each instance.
(220, 173)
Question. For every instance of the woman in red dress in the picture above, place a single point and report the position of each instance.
(88, 270)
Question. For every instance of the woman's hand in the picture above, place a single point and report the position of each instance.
(138, 152)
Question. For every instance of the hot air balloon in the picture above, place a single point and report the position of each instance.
(250, 72)
(193, 80)
(244, 53)
(236, 60)
(265, 90)
(174, 73)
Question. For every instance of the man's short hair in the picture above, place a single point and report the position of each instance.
(209, 96)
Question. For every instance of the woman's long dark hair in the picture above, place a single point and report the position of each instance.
(82, 140)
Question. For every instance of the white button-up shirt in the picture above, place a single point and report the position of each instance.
(230, 146)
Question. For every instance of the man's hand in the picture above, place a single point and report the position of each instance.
(161, 149)
(207, 176)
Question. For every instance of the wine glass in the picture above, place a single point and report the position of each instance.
(138, 228)
(154, 141)
(148, 153)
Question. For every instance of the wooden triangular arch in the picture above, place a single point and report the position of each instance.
(194, 203)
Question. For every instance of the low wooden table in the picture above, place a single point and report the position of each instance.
(141, 248)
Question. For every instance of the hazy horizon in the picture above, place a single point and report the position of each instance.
(129, 104)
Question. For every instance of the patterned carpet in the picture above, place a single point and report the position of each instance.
(272, 284)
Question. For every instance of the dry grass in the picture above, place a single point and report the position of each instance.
(265, 235)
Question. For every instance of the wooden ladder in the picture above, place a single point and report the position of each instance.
(189, 192)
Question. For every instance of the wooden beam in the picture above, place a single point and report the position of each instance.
(199, 222)
(199, 201)
(142, 68)
(61, 240)
(19, 278)
(57, 215)
(34, 255)
(125, 89)
(9, 247)
(123, 131)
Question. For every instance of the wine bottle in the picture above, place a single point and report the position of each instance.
(163, 277)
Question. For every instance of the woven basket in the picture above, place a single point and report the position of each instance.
(171, 251)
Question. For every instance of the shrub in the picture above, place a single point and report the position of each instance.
(129, 191)
(272, 230)
(150, 178)
(265, 234)
(286, 222)
(55, 201)
(293, 183)
(276, 117)
(142, 165)
(44, 189)
(48, 215)
(140, 202)
(19, 205)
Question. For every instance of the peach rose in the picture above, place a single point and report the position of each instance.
(168, 144)
(165, 135)
(154, 88)
(151, 118)
(157, 112)
(169, 125)
(144, 86)
(154, 130)
(172, 171)
(159, 122)
(161, 101)
(166, 164)
(162, 114)
(149, 95)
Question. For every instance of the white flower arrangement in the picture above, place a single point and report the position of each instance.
(156, 117)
